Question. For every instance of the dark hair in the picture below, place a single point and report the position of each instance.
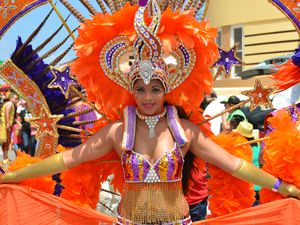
(188, 165)
(204, 103)
(213, 94)
(232, 100)
(12, 95)
(208, 99)
(235, 121)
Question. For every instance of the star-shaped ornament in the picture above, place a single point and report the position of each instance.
(227, 59)
(259, 95)
(45, 123)
(62, 80)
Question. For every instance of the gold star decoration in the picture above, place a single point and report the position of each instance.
(45, 123)
(259, 95)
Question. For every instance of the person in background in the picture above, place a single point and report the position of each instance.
(246, 129)
(7, 120)
(16, 135)
(197, 193)
(20, 106)
(2, 97)
(232, 119)
(26, 130)
(33, 130)
(208, 99)
(17, 142)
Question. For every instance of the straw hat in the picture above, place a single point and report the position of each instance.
(245, 129)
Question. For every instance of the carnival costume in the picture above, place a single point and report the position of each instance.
(177, 55)
(143, 181)
(145, 184)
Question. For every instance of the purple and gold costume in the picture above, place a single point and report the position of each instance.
(153, 191)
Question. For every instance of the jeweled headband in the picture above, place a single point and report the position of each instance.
(150, 61)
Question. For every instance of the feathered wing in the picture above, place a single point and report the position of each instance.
(72, 133)
(288, 74)
(227, 193)
(281, 152)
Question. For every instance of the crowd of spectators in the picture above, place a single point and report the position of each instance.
(15, 132)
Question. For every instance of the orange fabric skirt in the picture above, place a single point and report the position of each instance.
(280, 212)
(20, 206)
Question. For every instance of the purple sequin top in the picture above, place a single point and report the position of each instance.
(167, 168)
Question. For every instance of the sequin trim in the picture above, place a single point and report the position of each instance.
(124, 221)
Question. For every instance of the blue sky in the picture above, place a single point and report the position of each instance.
(25, 25)
(28, 23)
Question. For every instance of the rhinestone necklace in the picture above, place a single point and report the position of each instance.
(151, 121)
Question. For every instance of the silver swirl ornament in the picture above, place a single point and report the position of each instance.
(147, 47)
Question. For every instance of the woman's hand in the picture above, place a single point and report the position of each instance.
(289, 190)
(2, 170)
(4, 176)
(51, 165)
(7, 178)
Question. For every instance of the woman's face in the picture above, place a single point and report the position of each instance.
(149, 98)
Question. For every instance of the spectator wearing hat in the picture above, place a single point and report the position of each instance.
(232, 119)
(246, 129)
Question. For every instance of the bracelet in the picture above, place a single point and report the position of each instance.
(2, 170)
(276, 185)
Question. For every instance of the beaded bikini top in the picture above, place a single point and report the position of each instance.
(168, 168)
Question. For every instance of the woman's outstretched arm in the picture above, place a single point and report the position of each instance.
(97, 146)
(209, 151)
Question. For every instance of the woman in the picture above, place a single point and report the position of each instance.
(7, 120)
(135, 206)
(151, 140)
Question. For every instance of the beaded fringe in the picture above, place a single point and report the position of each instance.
(144, 203)
(186, 221)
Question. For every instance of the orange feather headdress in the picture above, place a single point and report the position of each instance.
(174, 47)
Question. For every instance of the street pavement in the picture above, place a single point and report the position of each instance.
(11, 155)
